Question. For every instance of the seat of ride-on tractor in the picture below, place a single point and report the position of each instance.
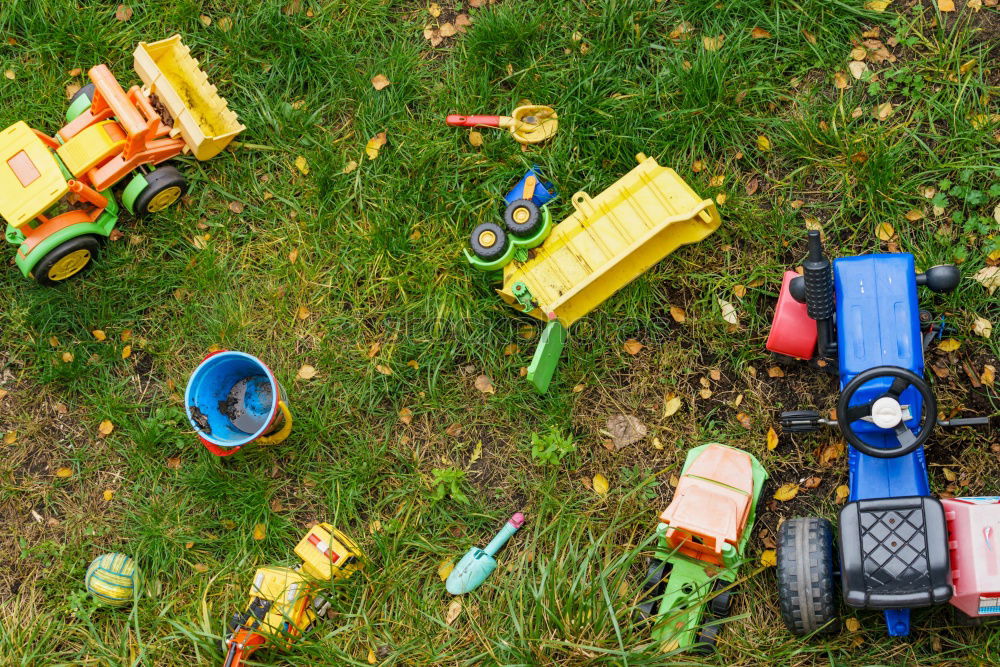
(894, 553)
(91, 146)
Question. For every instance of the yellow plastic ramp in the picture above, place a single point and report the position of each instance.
(168, 71)
(610, 240)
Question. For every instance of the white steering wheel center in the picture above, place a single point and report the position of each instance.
(887, 412)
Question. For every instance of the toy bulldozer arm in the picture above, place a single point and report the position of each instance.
(109, 96)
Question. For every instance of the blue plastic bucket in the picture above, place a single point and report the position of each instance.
(233, 399)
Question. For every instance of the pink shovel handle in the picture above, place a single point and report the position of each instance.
(456, 120)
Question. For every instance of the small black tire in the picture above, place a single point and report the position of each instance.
(707, 639)
(720, 605)
(85, 91)
(652, 588)
(164, 187)
(66, 260)
(806, 587)
(522, 218)
(489, 241)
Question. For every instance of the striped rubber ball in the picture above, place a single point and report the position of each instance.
(112, 578)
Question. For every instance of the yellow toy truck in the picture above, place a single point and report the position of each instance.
(55, 192)
(559, 273)
(284, 603)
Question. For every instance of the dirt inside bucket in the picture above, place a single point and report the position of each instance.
(200, 419)
(235, 405)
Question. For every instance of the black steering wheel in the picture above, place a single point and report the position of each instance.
(886, 412)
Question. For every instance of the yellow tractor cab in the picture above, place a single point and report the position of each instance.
(284, 603)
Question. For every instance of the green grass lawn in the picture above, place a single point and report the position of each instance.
(359, 273)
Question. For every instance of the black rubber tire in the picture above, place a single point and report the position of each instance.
(495, 251)
(806, 587)
(719, 606)
(159, 180)
(657, 572)
(87, 90)
(706, 639)
(527, 227)
(87, 242)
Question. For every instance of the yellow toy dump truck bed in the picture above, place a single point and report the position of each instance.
(168, 71)
(30, 179)
(609, 241)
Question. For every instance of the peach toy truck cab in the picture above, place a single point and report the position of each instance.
(285, 603)
(607, 242)
(55, 192)
(701, 541)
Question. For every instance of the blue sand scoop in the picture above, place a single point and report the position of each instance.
(478, 563)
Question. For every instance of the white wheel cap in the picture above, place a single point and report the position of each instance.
(886, 412)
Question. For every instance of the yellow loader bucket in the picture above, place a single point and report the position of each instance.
(168, 71)
(609, 241)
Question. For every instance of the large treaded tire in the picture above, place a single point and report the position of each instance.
(805, 576)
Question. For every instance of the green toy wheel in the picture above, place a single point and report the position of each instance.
(80, 102)
(522, 218)
(489, 241)
(163, 188)
(66, 260)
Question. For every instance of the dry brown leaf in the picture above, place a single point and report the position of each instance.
(857, 68)
(454, 430)
(728, 311)
(852, 624)
(678, 314)
(448, 29)
(859, 53)
(633, 347)
(717, 181)
(775, 372)
(454, 609)
(989, 375)
(840, 81)
(9, 73)
(744, 420)
(373, 349)
(462, 21)
(812, 482)
(123, 13)
(174, 462)
(205, 20)
(306, 372)
(293, 256)
(625, 430)
(988, 277)
(380, 81)
(740, 291)
(484, 384)
(946, 5)
(914, 214)
(350, 166)
(476, 138)
(384, 370)
(759, 33)
(406, 416)
(705, 393)
(883, 111)
(67, 357)
(302, 313)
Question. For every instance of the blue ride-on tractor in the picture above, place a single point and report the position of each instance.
(860, 318)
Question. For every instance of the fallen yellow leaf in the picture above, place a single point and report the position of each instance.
(600, 483)
(10, 437)
(763, 143)
(914, 214)
(946, 5)
(380, 81)
(786, 492)
(384, 370)
(445, 568)
(982, 327)
(434, 9)
(633, 347)
(302, 164)
(759, 33)
(105, 428)
(126, 352)
(885, 231)
(843, 493)
(406, 416)
(306, 372)
(108, 494)
(678, 314)
(454, 609)
(852, 624)
(772, 439)
(99, 335)
(713, 43)
(671, 405)
(476, 138)
(877, 5)
(375, 145)
(989, 375)
(371, 657)
(64, 473)
(259, 532)
(883, 111)
(949, 345)
(768, 558)
(67, 357)
(484, 384)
